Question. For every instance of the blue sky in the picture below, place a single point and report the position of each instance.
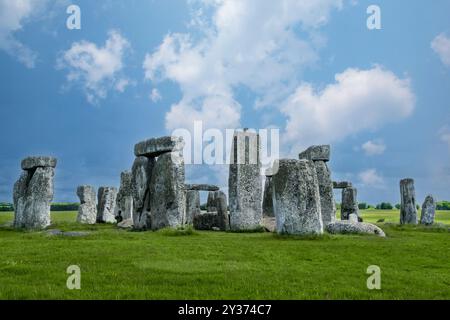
(141, 68)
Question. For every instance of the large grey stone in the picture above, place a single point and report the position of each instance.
(316, 153)
(408, 210)
(141, 175)
(327, 203)
(33, 194)
(31, 163)
(192, 205)
(206, 221)
(348, 227)
(267, 205)
(296, 198)
(106, 205)
(245, 182)
(428, 211)
(211, 202)
(223, 221)
(124, 207)
(156, 146)
(349, 203)
(202, 187)
(342, 184)
(167, 192)
(87, 212)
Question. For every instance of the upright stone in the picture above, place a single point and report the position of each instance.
(106, 205)
(267, 205)
(124, 200)
(223, 221)
(327, 202)
(408, 210)
(33, 193)
(296, 198)
(211, 202)
(428, 211)
(141, 174)
(87, 212)
(167, 192)
(192, 205)
(349, 203)
(245, 182)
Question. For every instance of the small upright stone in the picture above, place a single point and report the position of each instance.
(31, 163)
(223, 222)
(316, 153)
(428, 211)
(297, 198)
(192, 205)
(87, 212)
(106, 205)
(124, 200)
(408, 210)
(267, 198)
(349, 203)
(157, 146)
(211, 202)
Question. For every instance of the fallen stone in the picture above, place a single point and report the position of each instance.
(158, 146)
(408, 210)
(327, 203)
(348, 227)
(316, 153)
(297, 198)
(202, 187)
(106, 205)
(125, 224)
(353, 218)
(349, 203)
(342, 185)
(267, 205)
(87, 212)
(141, 174)
(56, 232)
(167, 192)
(192, 205)
(428, 211)
(270, 224)
(31, 163)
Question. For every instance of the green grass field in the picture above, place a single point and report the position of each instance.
(117, 264)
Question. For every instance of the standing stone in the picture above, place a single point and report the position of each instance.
(124, 200)
(192, 205)
(296, 198)
(428, 211)
(408, 210)
(327, 202)
(87, 212)
(211, 202)
(33, 193)
(349, 203)
(267, 198)
(106, 205)
(141, 174)
(167, 192)
(245, 182)
(223, 221)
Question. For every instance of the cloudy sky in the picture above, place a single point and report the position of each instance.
(141, 68)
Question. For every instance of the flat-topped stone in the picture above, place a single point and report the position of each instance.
(201, 187)
(349, 227)
(316, 153)
(31, 163)
(156, 146)
(342, 184)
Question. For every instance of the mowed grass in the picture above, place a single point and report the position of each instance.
(117, 264)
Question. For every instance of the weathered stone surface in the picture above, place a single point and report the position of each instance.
(245, 182)
(202, 187)
(141, 174)
(408, 210)
(125, 224)
(167, 192)
(342, 184)
(349, 203)
(211, 202)
(73, 234)
(206, 221)
(270, 224)
(33, 194)
(348, 227)
(192, 205)
(316, 153)
(353, 218)
(124, 207)
(223, 220)
(296, 198)
(31, 163)
(106, 205)
(428, 211)
(157, 146)
(267, 205)
(327, 203)
(87, 212)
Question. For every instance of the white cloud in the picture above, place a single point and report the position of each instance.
(248, 44)
(441, 45)
(371, 178)
(357, 101)
(97, 69)
(374, 147)
(155, 95)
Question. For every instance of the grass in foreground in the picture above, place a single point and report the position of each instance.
(117, 264)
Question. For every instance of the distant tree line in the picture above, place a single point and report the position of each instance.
(57, 206)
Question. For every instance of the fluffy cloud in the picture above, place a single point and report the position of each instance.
(155, 95)
(97, 69)
(373, 148)
(13, 15)
(357, 101)
(249, 44)
(441, 45)
(371, 178)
